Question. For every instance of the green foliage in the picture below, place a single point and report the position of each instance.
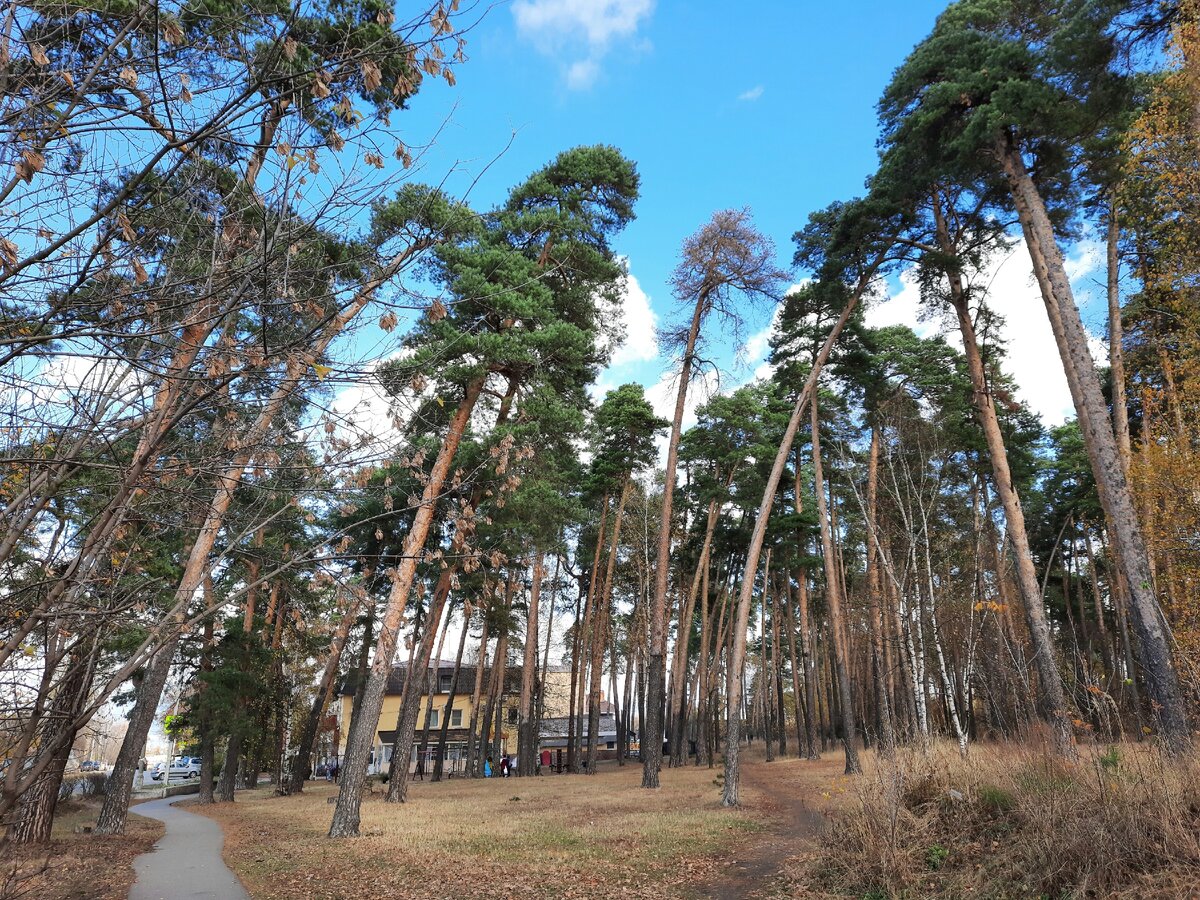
(995, 799)
(936, 856)
(1110, 760)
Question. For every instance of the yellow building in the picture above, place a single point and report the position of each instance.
(555, 702)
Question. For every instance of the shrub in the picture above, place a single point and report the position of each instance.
(1037, 826)
(935, 856)
(66, 789)
(94, 784)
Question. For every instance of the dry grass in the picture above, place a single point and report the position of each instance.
(99, 867)
(1012, 822)
(554, 836)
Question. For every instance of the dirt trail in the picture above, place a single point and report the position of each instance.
(789, 791)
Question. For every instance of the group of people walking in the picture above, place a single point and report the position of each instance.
(506, 768)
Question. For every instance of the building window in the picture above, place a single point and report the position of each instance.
(444, 680)
(456, 718)
(433, 719)
(512, 715)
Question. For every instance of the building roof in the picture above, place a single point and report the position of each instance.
(465, 684)
(556, 729)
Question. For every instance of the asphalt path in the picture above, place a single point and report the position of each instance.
(186, 862)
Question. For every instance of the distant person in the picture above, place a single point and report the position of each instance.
(503, 766)
(545, 761)
(487, 768)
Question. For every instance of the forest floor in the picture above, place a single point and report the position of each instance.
(552, 836)
(76, 864)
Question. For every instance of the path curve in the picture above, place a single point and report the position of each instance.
(186, 862)
(797, 823)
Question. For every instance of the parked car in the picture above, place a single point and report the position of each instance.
(90, 765)
(182, 767)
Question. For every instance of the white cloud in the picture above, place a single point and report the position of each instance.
(582, 75)
(753, 94)
(902, 308)
(664, 393)
(1032, 357)
(581, 30)
(640, 325)
(754, 352)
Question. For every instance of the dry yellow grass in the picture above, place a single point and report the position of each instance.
(552, 836)
(1013, 821)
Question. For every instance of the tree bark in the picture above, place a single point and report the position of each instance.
(883, 707)
(473, 766)
(1052, 703)
(1161, 679)
(680, 659)
(448, 712)
(652, 729)
(346, 816)
(527, 737)
(35, 810)
(302, 762)
(602, 630)
(833, 598)
(418, 686)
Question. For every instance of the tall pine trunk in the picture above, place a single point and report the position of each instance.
(1052, 703)
(833, 598)
(527, 736)
(346, 816)
(1101, 444)
(652, 728)
(602, 631)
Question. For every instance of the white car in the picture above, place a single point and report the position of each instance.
(182, 769)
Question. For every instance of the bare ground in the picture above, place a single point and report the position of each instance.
(795, 795)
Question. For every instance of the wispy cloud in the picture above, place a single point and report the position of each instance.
(579, 32)
(751, 95)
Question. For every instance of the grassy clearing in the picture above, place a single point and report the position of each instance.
(1010, 822)
(554, 836)
(99, 867)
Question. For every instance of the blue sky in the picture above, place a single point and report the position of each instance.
(770, 106)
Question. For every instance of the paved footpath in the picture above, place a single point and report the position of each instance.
(186, 862)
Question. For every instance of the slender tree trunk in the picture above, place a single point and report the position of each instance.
(1116, 341)
(302, 762)
(448, 712)
(579, 646)
(833, 598)
(729, 795)
(679, 661)
(1052, 702)
(417, 685)
(228, 780)
(777, 672)
(208, 744)
(35, 810)
(883, 707)
(473, 766)
(652, 729)
(527, 737)
(1115, 497)
(433, 689)
(346, 814)
(766, 686)
(120, 781)
(602, 630)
